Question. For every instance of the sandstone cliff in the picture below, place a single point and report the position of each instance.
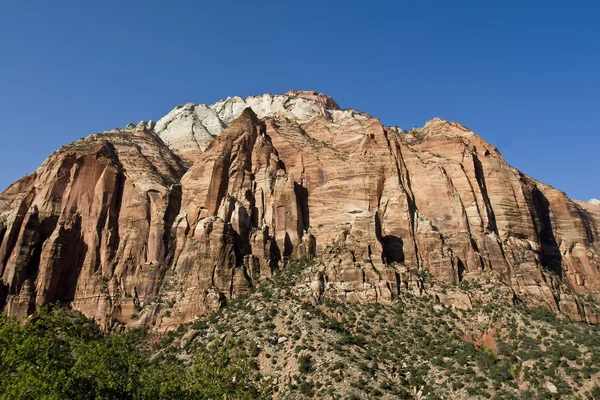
(157, 224)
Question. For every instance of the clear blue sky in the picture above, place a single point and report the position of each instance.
(523, 74)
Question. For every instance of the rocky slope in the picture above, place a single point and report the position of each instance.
(157, 224)
(411, 348)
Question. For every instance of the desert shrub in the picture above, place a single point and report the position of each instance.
(305, 364)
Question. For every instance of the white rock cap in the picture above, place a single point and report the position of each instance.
(189, 129)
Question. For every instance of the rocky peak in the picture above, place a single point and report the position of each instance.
(595, 202)
(439, 126)
(327, 101)
(188, 129)
(143, 125)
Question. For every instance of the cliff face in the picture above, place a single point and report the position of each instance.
(158, 224)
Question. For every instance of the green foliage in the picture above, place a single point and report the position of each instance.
(334, 324)
(62, 355)
(343, 349)
(542, 314)
(595, 392)
(222, 374)
(356, 340)
(305, 364)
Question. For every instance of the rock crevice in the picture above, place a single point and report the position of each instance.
(155, 225)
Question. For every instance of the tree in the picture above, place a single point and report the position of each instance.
(60, 355)
(224, 372)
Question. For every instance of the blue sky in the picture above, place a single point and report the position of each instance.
(523, 74)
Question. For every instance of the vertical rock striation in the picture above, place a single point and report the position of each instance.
(155, 225)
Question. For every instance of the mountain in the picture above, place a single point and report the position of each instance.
(157, 224)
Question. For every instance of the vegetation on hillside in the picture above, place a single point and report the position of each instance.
(62, 355)
(274, 342)
(413, 347)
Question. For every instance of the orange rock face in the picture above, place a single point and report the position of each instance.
(119, 227)
(321, 98)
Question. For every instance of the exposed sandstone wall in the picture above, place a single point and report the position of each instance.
(87, 228)
(118, 226)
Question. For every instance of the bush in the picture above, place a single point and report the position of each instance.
(305, 364)
(306, 389)
(62, 355)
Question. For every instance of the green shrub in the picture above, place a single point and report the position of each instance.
(305, 364)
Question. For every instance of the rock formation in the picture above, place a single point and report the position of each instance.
(157, 224)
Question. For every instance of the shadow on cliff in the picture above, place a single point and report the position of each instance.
(393, 246)
(2, 232)
(67, 268)
(3, 294)
(44, 230)
(302, 200)
(393, 249)
(480, 177)
(550, 256)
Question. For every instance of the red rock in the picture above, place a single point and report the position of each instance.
(118, 227)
